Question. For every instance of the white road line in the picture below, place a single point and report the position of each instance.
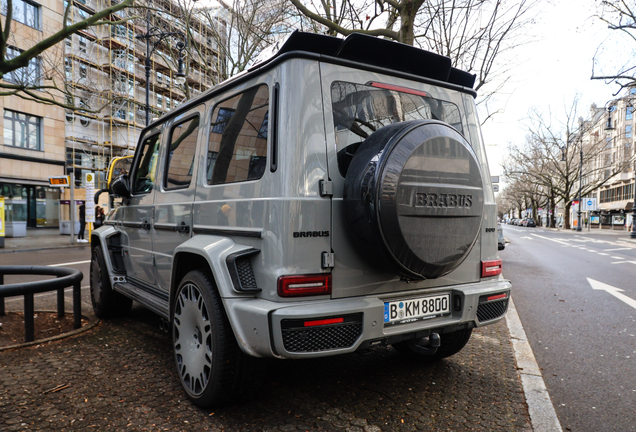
(542, 414)
(617, 249)
(620, 258)
(69, 263)
(601, 253)
(616, 292)
(619, 262)
(591, 250)
(554, 240)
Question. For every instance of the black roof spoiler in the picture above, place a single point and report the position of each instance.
(373, 51)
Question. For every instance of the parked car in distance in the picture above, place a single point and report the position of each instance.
(501, 242)
(530, 222)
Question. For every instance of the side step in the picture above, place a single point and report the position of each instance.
(156, 301)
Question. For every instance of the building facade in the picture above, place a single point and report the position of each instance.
(32, 147)
(615, 162)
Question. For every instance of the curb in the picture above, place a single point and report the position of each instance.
(542, 414)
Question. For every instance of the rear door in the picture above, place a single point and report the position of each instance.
(357, 103)
(175, 191)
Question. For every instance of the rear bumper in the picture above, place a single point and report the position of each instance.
(262, 327)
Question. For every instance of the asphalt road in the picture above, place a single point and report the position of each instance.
(581, 328)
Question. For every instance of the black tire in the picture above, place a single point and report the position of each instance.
(211, 367)
(451, 344)
(107, 303)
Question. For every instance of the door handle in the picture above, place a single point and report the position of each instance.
(183, 228)
(145, 225)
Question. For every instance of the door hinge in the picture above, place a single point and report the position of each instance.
(326, 188)
(328, 260)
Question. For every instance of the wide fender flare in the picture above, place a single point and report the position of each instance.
(102, 233)
(215, 250)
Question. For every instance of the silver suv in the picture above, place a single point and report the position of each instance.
(333, 198)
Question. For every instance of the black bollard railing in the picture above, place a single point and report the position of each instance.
(65, 278)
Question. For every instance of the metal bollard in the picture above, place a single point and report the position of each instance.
(60, 303)
(77, 305)
(29, 327)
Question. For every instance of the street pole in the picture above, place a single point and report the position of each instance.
(147, 68)
(632, 234)
(578, 221)
(72, 206)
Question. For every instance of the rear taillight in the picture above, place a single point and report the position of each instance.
(490, 268)
(305, 285)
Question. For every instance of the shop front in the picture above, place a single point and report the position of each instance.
(32, 205)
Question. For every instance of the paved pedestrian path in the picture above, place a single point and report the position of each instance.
(40, 238)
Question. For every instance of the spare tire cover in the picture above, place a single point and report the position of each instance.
(414, 196)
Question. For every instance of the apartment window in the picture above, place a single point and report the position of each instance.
(629, 113)
(24, 12)
(628, 131)
(22, 130)
(82, 71)
(159, 77)
(82, 44)
(159, 101)
(28, 75)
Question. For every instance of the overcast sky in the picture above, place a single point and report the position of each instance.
(553, 70)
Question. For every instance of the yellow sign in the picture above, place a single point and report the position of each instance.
(59, 181)
(89, 178)
(1, 216)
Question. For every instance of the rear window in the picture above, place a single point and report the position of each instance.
(361, 109)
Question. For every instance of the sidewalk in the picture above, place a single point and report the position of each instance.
(40, 238)
(584, 231)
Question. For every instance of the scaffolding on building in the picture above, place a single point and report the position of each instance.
(104, 68)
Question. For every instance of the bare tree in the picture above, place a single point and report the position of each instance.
(242, 29)
(473, 33)
(35, 73)
(619, 15)
(557, 161)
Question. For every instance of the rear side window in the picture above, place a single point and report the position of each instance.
(182, 146)
(361, 109)
(237, 147)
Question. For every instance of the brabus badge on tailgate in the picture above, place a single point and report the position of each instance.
(432, 200)
(311, 234)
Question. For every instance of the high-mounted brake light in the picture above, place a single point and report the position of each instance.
(491, 268)
(304, 285)
(398, 88)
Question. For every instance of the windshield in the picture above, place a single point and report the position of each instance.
(361, 109)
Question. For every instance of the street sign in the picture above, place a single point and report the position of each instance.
(494, 179)
(495, 188)
(60, 181)
(589, 204)
(89, 185)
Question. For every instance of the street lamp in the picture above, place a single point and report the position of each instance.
(160, 36)
(632, 234)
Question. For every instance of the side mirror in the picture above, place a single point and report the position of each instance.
(120, 186)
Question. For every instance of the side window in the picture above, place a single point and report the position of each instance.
(183, 144)
(237, 148)
(147, 168)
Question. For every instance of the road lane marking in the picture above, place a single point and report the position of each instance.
(619, 262)
(69, 263)
(554, 240)
(591, 250)
(617, 249)
(526, 237)
(601, 253)
(616, 292)
(620, 258)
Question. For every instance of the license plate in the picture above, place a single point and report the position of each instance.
(417, 309)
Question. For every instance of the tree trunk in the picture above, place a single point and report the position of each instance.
(407, 20)
(566, 217)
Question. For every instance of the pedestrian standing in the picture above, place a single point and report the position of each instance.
(82, 221)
